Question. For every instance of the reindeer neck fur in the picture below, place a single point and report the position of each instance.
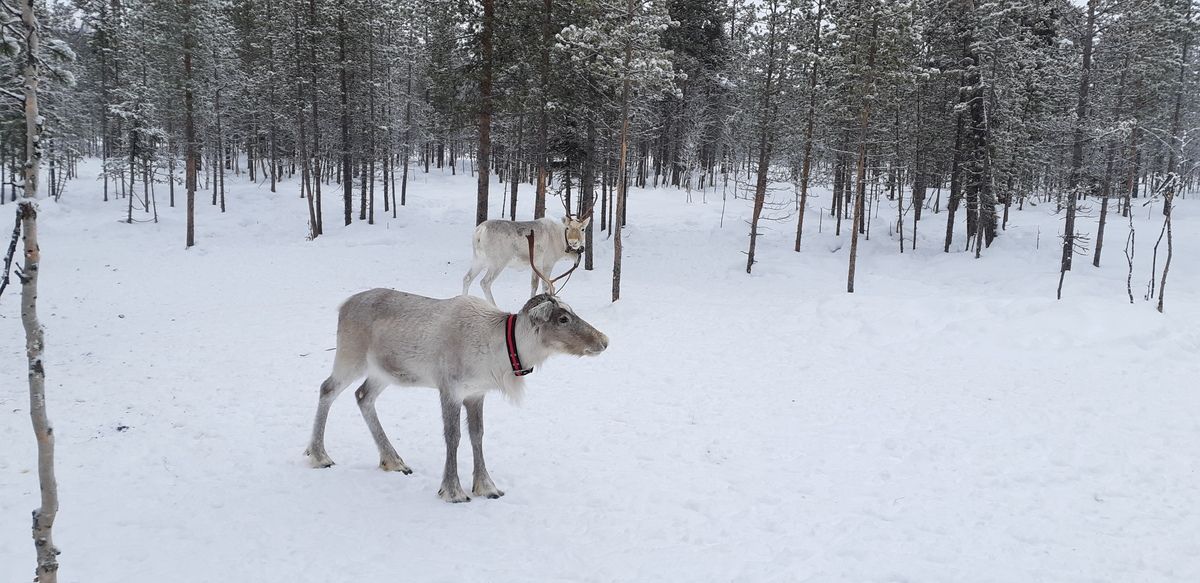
(533, 353)
(532, 350)
(557, 241)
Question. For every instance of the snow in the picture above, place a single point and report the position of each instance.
(950, 421)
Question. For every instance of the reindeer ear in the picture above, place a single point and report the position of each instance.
(541, 313)
(586, 221)
(566, 220)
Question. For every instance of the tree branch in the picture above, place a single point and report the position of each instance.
(8, 258)
(12, 94)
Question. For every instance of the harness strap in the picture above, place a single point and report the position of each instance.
(578, 258)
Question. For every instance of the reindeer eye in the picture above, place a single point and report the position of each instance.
(563, 319)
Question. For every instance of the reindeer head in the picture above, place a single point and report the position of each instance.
(574, 232)
(560, 329)
(575, 226)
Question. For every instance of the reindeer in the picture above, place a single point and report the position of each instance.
(499, 243)
(463, 347)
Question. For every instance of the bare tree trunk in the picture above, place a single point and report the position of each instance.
(407, 138)
(1162, 287)
(347, 167)
(1108, 171)
(189, 130)
(485, 111)
(1081, 114)
(306, 178)
(514, 178)
(133, 149)
(955, 182)
(806, 168)
(272, 127)
(864, 124)
(765, 141)
(218, 161)
(587, 191)
(1172, 176)
(316, 151)
(622, 181)
(539, 201)
(50, 159)
(1131, 183)
(104, 94)
(44, 515)
(839, 176)
(171, 159)
(604, 197)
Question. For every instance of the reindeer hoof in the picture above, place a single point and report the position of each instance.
(454, 496)
(489, 493)
(321, 460)
(395, 465)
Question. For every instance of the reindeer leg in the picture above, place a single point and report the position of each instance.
(483, 485)
(492, 273)
(469, 278)
(546, 285)
(451, 490)
(330, 389)
(389, 460)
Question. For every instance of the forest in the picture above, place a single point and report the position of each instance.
(955, 111)
(201, 182)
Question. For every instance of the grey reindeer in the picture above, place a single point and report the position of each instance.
(463, 347)
(498, 244)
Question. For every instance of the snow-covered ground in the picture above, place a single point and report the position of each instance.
(949, 422)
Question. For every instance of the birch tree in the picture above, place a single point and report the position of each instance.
(25, 23)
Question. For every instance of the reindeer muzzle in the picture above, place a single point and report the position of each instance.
(598, 346)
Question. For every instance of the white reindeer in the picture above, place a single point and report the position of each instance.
(499, 243)
(462, 346)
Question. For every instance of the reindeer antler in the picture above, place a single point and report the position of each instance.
(566, 209)
(549, 282)
(581, 217)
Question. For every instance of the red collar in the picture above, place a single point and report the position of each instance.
(510, 339)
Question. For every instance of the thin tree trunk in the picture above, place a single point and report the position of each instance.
(955, 182)
(622, 181)
(272, 128)
(864, 124)
(316, 151)
(539, 201)
(171, 159)
(1081, 114)
(587, 191)
(765, 141)
(47, 511)
(306, 177)
(485, 111)
(408, 137)
(218, 162)
(1106, 192)
(347, 167)
(189, 130)
(515, 171)
(806, 168)
(105, 142)
(133, 149)
(1176, 143)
